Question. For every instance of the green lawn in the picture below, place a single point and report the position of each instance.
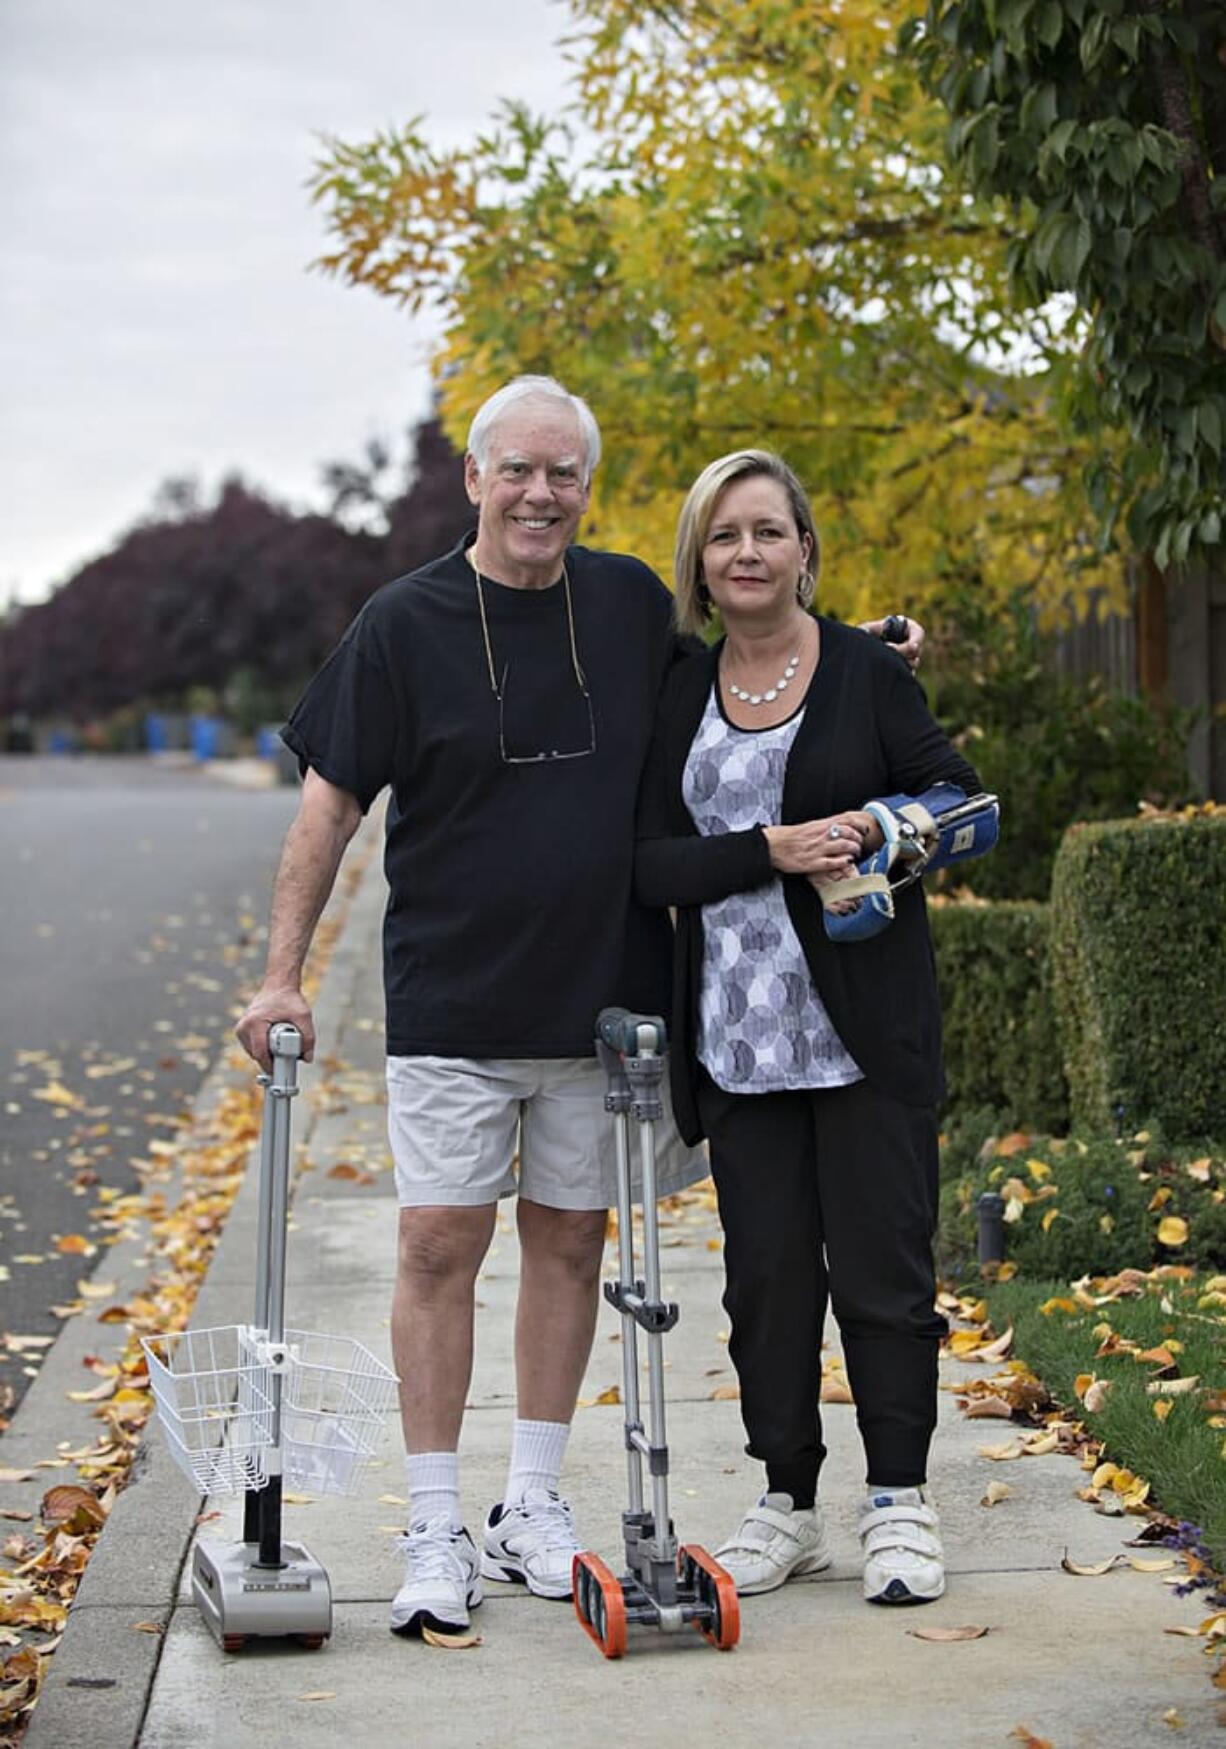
(1181, 1449)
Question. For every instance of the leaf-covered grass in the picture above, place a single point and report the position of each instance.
(1180, 1451)
(1081, 1205)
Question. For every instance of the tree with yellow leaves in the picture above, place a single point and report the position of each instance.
(744, 233)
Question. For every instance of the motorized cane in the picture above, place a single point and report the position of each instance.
(247, 1408)
(666, 1585)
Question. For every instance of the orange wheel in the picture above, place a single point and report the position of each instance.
(311, 1642)
(600, 1604)
(233, 1642)
(717, 1591)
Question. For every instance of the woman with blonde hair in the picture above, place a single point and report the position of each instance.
(812, 1067)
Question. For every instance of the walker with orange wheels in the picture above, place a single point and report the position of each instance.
(666, 1586)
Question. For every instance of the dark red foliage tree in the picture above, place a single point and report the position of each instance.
(199, 593)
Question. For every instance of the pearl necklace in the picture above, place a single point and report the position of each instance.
(772, 693)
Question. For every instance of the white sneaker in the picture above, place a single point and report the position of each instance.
(441, 1581)
(775, 1542)
(532, 1543)
(903, 1558)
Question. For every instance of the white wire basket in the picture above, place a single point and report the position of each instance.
(214, 1395)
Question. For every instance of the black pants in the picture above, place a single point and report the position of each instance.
(829, 1195)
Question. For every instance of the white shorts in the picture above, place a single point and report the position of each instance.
(456, 1125)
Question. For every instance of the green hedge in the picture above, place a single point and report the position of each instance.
(1138, 945)
(1083, 1206)
(1001, 1047)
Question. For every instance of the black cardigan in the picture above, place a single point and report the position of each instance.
(867, 732)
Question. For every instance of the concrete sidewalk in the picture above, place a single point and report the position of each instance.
(1081, 1662)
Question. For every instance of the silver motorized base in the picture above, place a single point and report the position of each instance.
(238, 1598)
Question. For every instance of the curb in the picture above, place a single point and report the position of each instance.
(98, 1683)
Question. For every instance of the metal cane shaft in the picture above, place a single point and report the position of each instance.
(285, 1043)
(655, 1341)
(264, 1223)
(284, 1079)
(630, 1351)
(252, 1510)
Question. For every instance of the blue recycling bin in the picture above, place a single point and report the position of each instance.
(206, 737)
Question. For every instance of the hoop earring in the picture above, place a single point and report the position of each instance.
(806, 589)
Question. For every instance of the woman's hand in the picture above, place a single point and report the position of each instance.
(828, 849)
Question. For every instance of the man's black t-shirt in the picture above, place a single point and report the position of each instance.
(511, 920)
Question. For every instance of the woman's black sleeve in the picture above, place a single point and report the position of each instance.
(917, 750)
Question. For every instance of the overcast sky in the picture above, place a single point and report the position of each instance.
(157, 316)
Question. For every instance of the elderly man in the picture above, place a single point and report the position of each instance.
(504, 692)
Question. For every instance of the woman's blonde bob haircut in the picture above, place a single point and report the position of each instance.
(693, 603)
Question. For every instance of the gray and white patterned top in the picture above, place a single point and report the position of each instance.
(762, 1027)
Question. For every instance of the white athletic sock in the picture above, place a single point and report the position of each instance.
(434, 1487)
(537, 1450)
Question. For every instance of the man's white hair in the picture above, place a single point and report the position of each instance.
(529, 388)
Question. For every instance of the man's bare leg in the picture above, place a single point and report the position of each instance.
(440, 1251)
(559, 1279)
(529, 1535)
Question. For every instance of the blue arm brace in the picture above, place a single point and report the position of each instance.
(937, 829)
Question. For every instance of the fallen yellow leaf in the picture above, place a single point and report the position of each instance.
(1090, 1569)
(450, 1642)
(55, 1093)
(965, 1341)
(73, 1506)
(354, 1174)
(988, 1409)
(1000, 1454)
(997, 1350)
(947, 1636)
(99, 1394)
(997, 1491)
(1172, 1230)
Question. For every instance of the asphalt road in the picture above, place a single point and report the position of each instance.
(134, 900)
